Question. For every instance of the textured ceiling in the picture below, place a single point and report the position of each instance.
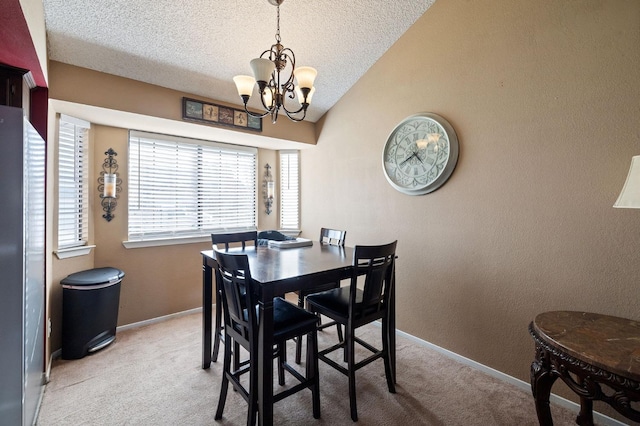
(197, 46)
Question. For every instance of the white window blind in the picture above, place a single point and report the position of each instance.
(73, 191)
(289, 189)
(182, 187)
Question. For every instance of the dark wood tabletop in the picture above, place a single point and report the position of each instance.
(597, 356)
(282, 267)
(607, 342)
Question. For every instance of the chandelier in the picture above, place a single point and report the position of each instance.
(272, 86)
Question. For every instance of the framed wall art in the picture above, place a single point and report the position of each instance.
(214, 114)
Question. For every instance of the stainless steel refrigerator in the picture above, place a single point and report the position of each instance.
(22, 286)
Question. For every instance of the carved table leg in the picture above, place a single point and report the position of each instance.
(542, 380)
(585, 416)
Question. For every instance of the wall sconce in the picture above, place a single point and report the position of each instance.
(268, 189)
(109, 184)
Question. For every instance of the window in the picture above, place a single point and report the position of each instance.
(289, 189)
(182, 187)
(73, 198)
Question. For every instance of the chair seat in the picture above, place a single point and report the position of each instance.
(289, 320)
(335, 303)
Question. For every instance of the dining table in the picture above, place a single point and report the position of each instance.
(278, 271)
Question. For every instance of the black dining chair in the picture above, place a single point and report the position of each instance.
(242, 320)
(354, 307)
(332, 237)
(245, 239)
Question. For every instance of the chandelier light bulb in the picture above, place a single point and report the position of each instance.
(267, 96)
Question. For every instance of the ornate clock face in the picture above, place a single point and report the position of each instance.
(420, 154)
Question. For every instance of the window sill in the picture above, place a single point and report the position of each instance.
(67, 253)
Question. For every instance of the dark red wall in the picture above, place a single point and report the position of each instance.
(17, 50)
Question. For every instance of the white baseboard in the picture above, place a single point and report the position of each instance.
(157, 319)
(54, 355)
(555, 399)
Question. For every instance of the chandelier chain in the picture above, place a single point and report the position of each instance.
(278, 39)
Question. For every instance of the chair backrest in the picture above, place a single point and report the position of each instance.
(376, 263)
(332, 237)
(238, 298)
(235, 237)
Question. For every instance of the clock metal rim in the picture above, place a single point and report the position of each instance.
(451, 160)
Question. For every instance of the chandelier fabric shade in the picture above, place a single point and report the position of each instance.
(305, 76)
(274, 72)
(244, 84)
(262, 69)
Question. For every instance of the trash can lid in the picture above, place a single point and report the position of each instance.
(94, 276)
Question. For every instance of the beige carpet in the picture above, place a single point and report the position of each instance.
(152, 376)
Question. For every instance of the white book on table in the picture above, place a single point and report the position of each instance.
(298, 242)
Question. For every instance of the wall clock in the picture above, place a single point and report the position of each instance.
(420, 154)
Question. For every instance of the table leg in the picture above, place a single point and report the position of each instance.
(265, 360)
(206, 314)
(585, 416)
(392, 327)
(542, 380)
(218, 324)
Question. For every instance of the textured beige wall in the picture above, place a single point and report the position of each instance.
(545, 99)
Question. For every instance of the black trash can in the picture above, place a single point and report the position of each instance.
(90, 301)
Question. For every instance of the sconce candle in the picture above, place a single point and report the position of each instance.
(270, 189)
(110, 185)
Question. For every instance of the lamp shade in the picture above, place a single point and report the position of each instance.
(262, 69)
(244, 84)
(630, 196)
(305, 76)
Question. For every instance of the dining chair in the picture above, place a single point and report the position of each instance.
(354, 307)
(225, 239)
(242, 320)
(332, 237)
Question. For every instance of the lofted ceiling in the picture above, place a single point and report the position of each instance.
(197, 46)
